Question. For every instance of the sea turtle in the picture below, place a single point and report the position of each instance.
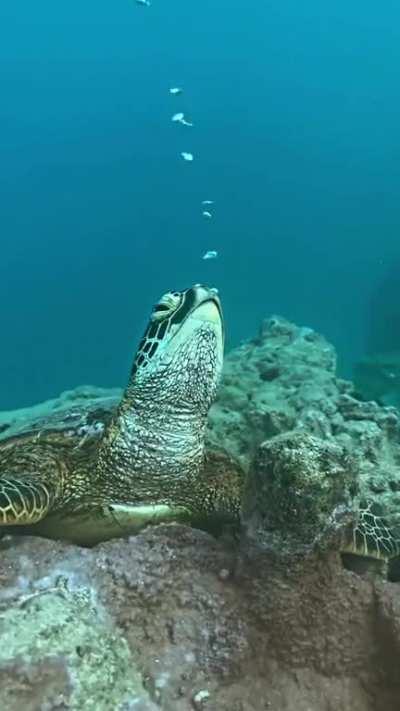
(74, 481)
(90, 473)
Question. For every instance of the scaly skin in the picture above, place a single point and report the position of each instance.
(158, 432)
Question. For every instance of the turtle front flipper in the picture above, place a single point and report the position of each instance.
(24, 500)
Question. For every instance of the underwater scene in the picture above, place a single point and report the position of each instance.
(200, 356)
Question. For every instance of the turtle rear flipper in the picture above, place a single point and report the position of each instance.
(24, 500)
(372, 536)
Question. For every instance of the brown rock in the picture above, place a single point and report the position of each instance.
(274, 634)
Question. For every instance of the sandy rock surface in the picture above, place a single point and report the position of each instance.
(173, 619)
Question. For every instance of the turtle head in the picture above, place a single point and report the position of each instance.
(179, 358)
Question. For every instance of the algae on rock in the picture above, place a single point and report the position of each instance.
(68, 627)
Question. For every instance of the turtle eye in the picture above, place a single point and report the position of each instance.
(166, 306)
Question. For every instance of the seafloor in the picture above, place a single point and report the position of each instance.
(174, 619)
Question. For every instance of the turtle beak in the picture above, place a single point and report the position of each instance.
(208, 308)
(208, 311)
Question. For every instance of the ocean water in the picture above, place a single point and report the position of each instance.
(296, 137)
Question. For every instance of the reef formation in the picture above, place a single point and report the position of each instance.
(176, 619)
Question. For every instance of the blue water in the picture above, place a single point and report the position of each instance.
(296, 110)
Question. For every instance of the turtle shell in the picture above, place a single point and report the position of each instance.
(82, 413)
